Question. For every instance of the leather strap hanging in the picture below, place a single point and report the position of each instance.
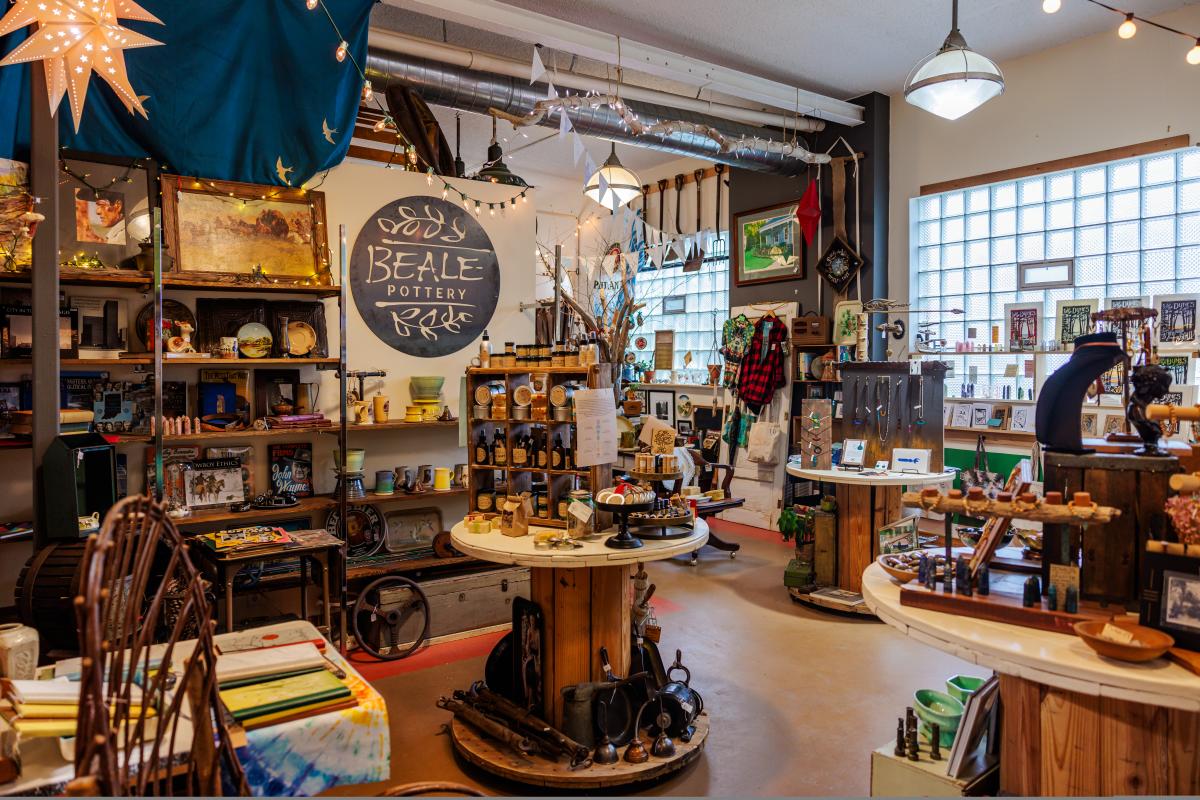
(838, 166)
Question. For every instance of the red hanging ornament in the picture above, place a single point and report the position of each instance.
(808, 212)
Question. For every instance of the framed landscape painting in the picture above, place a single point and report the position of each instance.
(766, 245)
(224, 229)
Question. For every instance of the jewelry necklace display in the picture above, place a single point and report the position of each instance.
(920, 406)
(858, 390)
(883, 391)
(900, 405)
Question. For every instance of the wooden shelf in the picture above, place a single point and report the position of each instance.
(84, 362)
(307, 506)
(1014, 435)
(249, 433)
(181, 282)
(395, 425)
(135, 279)
(244, 363)
(527, 370)
(409, 565)
(129, 278)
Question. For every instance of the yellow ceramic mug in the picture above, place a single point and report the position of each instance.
(412, 414)
(441, 479)
(381, 407)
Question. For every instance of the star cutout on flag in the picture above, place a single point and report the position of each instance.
(76, 38)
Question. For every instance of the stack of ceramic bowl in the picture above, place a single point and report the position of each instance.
(426, 394)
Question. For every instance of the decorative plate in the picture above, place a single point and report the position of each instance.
(817, 368)
(683, 406)
(839, 264)
(301, 338)
(641, 342)
(365, 530)
(254, 340)
(173, 312)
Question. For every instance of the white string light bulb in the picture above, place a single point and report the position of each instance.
(311, 4)
(1051, 6)
(1128, 27)
(1193, 56)
(368, 91)
(342, 49)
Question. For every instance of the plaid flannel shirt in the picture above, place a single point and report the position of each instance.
(762, 369)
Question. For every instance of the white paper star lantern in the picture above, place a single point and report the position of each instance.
(76, 38)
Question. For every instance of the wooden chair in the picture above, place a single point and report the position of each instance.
(706, 476)
(138, 586)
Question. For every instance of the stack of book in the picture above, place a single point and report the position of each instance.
(241, 540)
(70, 420)
(299, 421)
(38, 709)
(271, 685)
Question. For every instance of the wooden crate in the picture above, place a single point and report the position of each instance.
(810, 330)
(825, 549)
(1109, 555)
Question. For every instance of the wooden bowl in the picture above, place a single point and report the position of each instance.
(900, 575)
(1148, 643)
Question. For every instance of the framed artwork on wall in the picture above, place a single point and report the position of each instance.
(1022, 325)
(1073, 319)
(1022, 419)
(661, 404)
(766, 246)
(244, 232)
(106, 204)
(1137, 301)
(1176, 328)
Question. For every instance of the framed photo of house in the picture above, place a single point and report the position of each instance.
(766, 246)
(1022, 325)
(106, 204)
(1073, 319)
(226, 231)
(899, 536)
(1170, 597)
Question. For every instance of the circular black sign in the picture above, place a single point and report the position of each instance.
(425, 276)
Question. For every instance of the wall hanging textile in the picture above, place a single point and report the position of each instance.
(417, 124)
(239, 91)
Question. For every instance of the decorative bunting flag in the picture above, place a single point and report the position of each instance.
(538, 69)
(808, 212)
(564, 122)
(577, 146)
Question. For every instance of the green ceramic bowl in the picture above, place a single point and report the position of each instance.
(933, 706)
(961, 687)
(425, 387)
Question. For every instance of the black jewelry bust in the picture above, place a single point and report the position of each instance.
(1150, 383)
(1060, 405)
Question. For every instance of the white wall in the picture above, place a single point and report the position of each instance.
(1087, 95)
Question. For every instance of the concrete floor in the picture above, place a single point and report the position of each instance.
(798, 699)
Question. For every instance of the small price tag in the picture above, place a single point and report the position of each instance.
(581, 511)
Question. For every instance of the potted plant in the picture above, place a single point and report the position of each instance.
(646, 369)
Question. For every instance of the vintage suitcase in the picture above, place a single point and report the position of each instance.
(810, 330)
(456, 605)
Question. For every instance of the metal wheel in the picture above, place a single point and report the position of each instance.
(733, 554)
(389, 612)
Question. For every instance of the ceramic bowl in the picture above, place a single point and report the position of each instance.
(901, 576)
(425, 387)
(1147, 645)
(933, 706)
(961, 687)
(355, 458)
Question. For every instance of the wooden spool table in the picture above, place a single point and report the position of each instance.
(586, 597)
(1074, 723)
(862, 510)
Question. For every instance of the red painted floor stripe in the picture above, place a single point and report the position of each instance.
(435, 655)
(724, 528)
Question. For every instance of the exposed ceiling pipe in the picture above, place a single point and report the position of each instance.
(475, 60)
(456, 87)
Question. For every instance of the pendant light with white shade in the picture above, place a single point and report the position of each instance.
(955, 80)
(613, 185)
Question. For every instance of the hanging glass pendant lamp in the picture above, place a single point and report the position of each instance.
(621, 185)
(955, 80)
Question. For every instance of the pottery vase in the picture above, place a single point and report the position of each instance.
(18, 651)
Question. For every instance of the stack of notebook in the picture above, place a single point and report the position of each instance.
(239, 540)
(278, 684)
(49, 708)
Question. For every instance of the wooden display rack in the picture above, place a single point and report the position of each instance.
(558, 481)
(1004, 602)
(488, 754)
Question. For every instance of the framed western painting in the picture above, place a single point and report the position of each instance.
(1074, 319)
(105, 209)
(766, 245)
(1022, 325)
(244, 232)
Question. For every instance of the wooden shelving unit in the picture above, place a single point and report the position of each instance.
(519, 479)
(306, 507)
(249, 363)
(144, 282)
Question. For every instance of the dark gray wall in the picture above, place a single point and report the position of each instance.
(751, 190)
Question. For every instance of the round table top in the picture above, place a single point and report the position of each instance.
(857, 478)
(1053, 659)
(494, 546)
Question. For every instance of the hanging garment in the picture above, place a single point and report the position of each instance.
(762, 370)
(735, 339)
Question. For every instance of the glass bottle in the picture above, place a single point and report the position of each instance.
(499, 450)
(556, 456)
(540, 446)
(481, 449)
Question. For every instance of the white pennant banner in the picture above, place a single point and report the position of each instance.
(578, 148)
(537, 69)
(564, 122)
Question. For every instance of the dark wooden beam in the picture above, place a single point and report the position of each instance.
(43, 183)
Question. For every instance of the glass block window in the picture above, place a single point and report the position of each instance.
(705, 308)
(1132, 228)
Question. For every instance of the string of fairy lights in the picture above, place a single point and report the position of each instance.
(412, 160)
(1129, 26)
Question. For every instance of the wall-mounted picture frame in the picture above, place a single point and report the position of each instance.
(1112, 423)
(235, 232)
(1176, 328)
(1089, 424)
(962, 416)
(660, 403)
(766, 245)
(684, 427)
(1169, 596)
(1022, 325)
(899, 536)
(1022, 419)
(106, 205)
(1073, 318)
(980, 414)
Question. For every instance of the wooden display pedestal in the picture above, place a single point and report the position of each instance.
(488, 755)
(862, 511)
(1058, 742)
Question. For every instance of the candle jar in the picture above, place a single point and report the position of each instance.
(581, 522)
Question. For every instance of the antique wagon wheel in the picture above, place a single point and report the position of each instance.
(390, 603)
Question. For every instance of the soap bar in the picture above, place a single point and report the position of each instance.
(1114, 634)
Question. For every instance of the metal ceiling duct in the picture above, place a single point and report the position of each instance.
(470, 90)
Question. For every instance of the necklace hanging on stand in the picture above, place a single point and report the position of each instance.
(882, 414)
